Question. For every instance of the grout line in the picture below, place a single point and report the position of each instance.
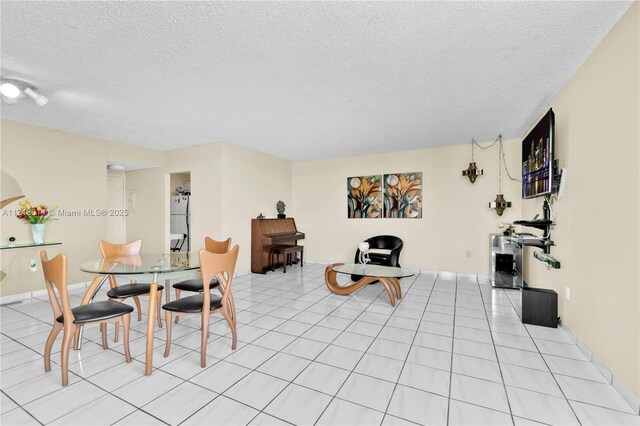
(270, 292)
(275, 354)
(552, 375)
(426, 304)
(19, 407)
(495, 351)
(453, 341)
(405, 291)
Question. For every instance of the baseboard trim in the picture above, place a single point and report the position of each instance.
(318, 262)
(42, 292)
(626, 394)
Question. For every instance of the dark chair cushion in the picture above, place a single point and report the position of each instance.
(192, 304)
(380, 258)
(194, 285)
(98, 311)
(130, 290)
(384, 242)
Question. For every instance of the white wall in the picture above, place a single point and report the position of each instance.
(598, 220)
(455, 216)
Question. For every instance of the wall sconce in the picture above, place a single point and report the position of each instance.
(472, 172)
(500, 204)
(10, 190)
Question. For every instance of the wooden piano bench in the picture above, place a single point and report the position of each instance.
(286, 251)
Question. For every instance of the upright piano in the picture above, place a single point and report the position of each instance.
(267, 232)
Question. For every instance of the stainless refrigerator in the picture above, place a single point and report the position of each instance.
(180, 223)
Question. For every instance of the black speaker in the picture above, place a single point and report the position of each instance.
(539, 307)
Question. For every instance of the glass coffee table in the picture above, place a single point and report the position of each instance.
(386, 275)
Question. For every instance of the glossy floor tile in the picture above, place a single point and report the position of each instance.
(452, 351)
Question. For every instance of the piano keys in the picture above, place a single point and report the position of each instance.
(265, 233)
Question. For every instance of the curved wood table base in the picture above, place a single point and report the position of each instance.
(334, 287)
(396, 284)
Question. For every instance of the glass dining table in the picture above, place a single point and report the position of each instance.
(139, 267)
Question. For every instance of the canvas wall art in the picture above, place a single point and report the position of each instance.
(403, 195)
(364, 197)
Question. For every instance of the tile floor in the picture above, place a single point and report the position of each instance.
(452, 352)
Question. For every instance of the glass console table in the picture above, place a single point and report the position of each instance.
(27, 245)
(23, 246)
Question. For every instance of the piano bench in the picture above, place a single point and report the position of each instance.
(286, 251)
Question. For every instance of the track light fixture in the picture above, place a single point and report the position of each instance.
(38, 99)
(12, 89)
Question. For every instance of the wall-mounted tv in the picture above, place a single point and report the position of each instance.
(537, 158)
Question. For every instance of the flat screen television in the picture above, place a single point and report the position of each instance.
(537, 158)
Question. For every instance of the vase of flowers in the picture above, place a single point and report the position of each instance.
(37, 216)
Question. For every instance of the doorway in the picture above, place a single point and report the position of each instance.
(180, 212)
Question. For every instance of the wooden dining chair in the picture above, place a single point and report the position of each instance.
(195, 284)
(119, 293)
(70, 320)
(212, 265)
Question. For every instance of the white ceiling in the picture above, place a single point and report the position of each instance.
(298, 80)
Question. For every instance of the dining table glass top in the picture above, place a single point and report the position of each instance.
(145, 263)
(370, 270)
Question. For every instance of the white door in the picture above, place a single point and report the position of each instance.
(115, 205)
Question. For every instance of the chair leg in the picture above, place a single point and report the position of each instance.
(177, 297)
(205, 336)
(117, 324)
(302, 257)
(47, 347)
(232, 303)
(76, 339)
(64, 353)
(126, 325)
(232, 325)
(159, 309)
(103, 330)
(136, 299)
(167, 319)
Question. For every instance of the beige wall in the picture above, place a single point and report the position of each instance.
(203, 162)
(133, 156)
(252, 184)
(230, 186)
(455, 216)
(147, 217)
(60, 168)
(598, 232)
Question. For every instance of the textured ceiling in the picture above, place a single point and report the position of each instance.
(298, 80)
